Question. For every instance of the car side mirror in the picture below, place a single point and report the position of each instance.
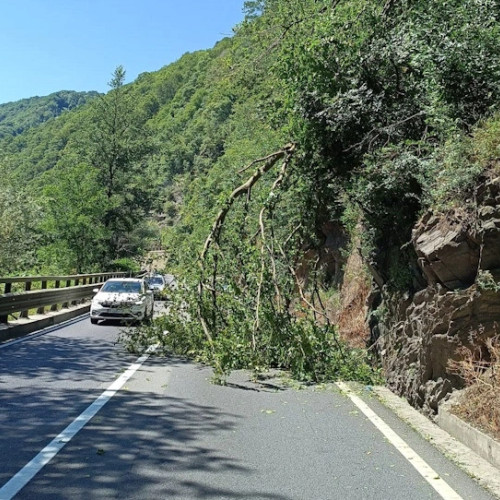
(95, 290)
(149, 292)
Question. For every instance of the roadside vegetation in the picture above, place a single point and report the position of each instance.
(236, 161)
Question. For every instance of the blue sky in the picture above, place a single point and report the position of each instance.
(51, 45)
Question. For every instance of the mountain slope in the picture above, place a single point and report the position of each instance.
(18, 116)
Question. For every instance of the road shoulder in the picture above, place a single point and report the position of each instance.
(475, 466)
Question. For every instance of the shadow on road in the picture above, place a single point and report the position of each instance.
(140, 445)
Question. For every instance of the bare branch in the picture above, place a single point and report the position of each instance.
(270, 161)
(309, 304)
(214, 236)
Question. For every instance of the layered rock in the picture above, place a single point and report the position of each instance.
(448, 250)
(417, 349)
(418, 336)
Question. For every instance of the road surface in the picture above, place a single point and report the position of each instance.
(167, 432)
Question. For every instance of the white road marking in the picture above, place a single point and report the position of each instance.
(424, 469)
(28, 472)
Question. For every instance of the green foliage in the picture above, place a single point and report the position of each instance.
(19, 230)
(363, 78)
(118, 154)
(126, 264)
(460, 164)
(486, 143)
(16, 117)
(381, 101)
(309, 352)
(391, 178)
(74, 233)
(485, 281)
(456, 174)
(375, 93)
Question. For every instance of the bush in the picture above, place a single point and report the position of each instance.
(125, 264)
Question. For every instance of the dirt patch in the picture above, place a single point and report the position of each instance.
(351, 318)
(154, 261)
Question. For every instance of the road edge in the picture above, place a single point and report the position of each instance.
(486, 474)
(22, 327)
(478, 441)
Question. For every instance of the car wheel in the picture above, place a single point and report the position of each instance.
(93, 321)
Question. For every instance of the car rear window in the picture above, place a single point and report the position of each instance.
(121, 287)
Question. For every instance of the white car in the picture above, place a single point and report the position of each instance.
(122, 298)
(157, 284)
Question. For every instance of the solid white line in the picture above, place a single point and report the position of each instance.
(28, 472)
(425, 470)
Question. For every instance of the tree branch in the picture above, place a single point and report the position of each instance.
(214, 236)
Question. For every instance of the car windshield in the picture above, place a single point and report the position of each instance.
(121, 287)
(156, 280)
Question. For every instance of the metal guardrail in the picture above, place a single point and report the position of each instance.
(76, 289)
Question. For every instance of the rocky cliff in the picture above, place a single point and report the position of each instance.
(419, 333)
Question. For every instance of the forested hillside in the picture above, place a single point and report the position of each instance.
(283, 172)
(16, 117)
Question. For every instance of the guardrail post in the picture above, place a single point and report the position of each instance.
(53, 307)
(7, 289)
(27, 288)
(66, 304)
(84, 283)
(41, 310)
(77, 282)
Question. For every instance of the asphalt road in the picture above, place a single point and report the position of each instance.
(169, 433)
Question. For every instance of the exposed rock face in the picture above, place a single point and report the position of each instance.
(346, 274)
(489, 222)
(448, 251)
(417, 349)
(459, 255)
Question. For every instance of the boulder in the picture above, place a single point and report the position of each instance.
(448, 250)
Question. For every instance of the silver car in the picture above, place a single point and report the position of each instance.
(122, 298)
